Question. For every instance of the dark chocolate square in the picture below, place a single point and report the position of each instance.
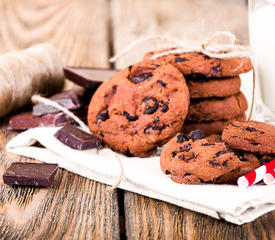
(30, 174)
(76, 138)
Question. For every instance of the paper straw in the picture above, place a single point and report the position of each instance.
(269, 177)
(256, 175)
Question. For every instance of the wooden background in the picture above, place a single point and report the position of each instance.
(87, 33)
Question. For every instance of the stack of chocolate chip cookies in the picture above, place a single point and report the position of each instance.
(214, 109)
(143, 106)
(214, 86)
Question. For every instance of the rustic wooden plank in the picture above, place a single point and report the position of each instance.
(186, 20)
(74, 207)
(147, 218)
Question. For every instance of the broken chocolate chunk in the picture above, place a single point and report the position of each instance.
(217, 69)
(251, 129)
(173, 154)
(147, 130)
(103, 116)
(241, 156)
(164, 107)
(182, 138)
(189, 159)
(162, 83)
(222, 153)
(159, 128)
(30, 174)
(115, 88)
(140, 78)
(225, 163)
(129, 117)
(151, 105)
(76, 138)
(156, 120)
(88, 77)
(195, 135)
(186, 148)
(72, 100)
(179, 59)
(207, 144)
(214, 163)
(26, 120)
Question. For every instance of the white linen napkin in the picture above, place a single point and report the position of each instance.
(144, 176)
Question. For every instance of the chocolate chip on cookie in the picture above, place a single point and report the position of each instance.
(139, 108)
(251, 136)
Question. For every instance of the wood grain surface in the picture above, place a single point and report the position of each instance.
(183, 19)
(146, 218)
(87, 32)
(74, 207)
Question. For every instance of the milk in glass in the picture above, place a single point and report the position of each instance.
(262, 39)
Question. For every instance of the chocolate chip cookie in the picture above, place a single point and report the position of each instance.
(201, 87)
(190, 159)
(209, 128)
(199, 63)
(214, 109)
(139, 108)
(251, 136)
(250, 162)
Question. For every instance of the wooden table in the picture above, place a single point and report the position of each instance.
(87, 33)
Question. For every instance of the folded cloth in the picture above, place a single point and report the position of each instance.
(144, 176)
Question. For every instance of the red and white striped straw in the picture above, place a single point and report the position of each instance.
(257, 175)
(269, 177)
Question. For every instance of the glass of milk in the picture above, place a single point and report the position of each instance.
(262, 40)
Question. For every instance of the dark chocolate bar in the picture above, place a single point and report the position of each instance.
(72, 100)
(88, 77)
(30, 174)
(26, 120)
(76, 138)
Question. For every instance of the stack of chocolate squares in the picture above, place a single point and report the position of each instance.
(43, 115)
(214, 86)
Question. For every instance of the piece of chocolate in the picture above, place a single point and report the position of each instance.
(26, 120)
(88, 77)
(76, 138)
(72, 100)
(30, 174)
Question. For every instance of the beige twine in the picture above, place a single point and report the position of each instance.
(39, 99)
(23, 73)
(219, 45)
